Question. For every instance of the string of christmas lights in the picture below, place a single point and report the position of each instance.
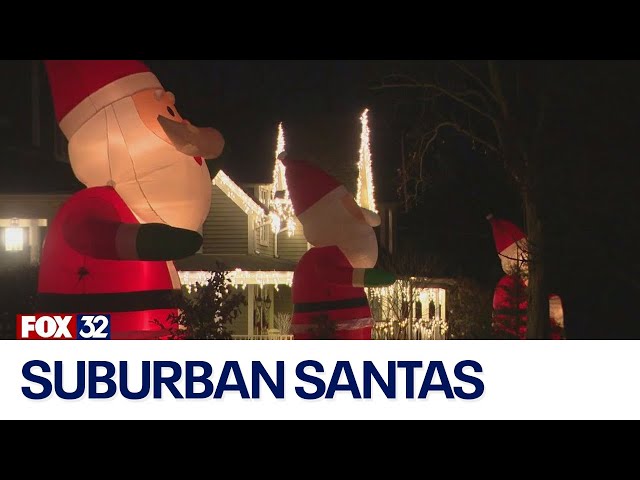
(239, 278)
(281, 209)
(235, 193)
(365, 195)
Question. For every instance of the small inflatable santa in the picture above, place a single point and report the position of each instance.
(111, 247)
(510, 296)
(328, 283)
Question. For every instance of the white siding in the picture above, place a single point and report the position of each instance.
(225, 230)
(292, 248)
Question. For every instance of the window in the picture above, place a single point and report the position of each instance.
(14, 237)
(264, 195)
(22, 238)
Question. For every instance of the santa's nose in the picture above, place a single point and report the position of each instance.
(190, 126)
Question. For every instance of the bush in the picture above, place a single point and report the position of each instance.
(207, 311)
(283, 322)
(470, 310)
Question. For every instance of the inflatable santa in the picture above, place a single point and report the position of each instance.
(329, 300)
(111, 247)
(510, 296)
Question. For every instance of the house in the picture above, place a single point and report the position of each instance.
(35, 178)
(241, 235)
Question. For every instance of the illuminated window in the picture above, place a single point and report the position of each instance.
(264, 195)
(14, 237)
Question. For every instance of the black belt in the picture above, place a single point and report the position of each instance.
(510, 311)
(334, 305)
(108, 302)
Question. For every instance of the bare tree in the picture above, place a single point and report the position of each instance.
(499, 107)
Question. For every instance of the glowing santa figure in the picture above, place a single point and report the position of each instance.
(328, 283)
(111, 247)
(510, 296)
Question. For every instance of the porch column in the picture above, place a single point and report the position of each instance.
(250, 308)
(34, 241)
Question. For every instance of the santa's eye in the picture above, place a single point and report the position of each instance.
(171, 112)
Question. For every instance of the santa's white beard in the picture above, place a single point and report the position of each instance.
(327, 223)
(514, 258)
(158, 183)
(362, 250)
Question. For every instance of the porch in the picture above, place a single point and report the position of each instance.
(413, 308)
(265, 283)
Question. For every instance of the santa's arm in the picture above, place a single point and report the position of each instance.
(355, 277)
(109, 239)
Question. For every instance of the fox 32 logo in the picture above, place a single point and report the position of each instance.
(60, 326)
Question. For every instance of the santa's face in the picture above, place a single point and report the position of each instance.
(158, 111)
(153, 158)
(514, 258)
(337, 220)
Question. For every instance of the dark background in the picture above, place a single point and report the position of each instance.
(590, 212)
(590, 179)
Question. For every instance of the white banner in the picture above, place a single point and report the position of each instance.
(279, 380)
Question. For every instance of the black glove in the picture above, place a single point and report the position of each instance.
(374, 277)
(157, 241)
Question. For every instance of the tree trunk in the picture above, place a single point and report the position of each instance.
(538, 327)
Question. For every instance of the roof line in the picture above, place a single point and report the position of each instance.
(236, 194)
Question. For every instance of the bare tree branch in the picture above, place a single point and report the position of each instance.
(412, 174)
(474, 93)
(497, 88)
(453, 96)
(466, 71)
(468, 134)
(507, 99)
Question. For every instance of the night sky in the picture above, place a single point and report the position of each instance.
(590, 178)
(318, 101)
(591, 205)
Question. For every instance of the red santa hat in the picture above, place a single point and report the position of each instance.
(81, 88)
(307, 183)
(505, 233)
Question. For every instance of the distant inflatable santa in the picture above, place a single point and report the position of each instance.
(111, 247)
(510, 295)
(329, 300)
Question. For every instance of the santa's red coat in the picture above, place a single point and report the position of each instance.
(326, 304)
(80, 271)
(510, 309)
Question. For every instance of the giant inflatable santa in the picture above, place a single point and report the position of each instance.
(111, 247)
(510, 295)
(329, 300)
